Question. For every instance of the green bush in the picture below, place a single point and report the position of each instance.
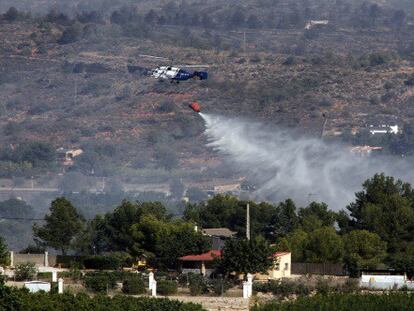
(197, 284)
(166, 287)
(100, 281)
(44, 275)
(25, 272)
(220, 286)
(134, 285)
(102, 263)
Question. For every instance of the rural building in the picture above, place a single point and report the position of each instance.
(201, 264)
(66, 156)
(316, 23)
(36, 286)
(384, 129)
(384, 279)
(282, 265)
(365, 150)
(218, 236)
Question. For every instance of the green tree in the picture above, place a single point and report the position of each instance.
(296, 243)
(167, 240)
(62, 225)
(324, 245)
(230, 212)
(4, 253)
(385, 206)
(39, 154)
(114, 231)
(246, 256)
(363, 249)
(11, 15)
(315, 216)
(70, 34)
(284, 221)
(25, 272)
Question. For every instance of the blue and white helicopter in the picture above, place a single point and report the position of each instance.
(177, 74)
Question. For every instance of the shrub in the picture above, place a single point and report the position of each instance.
(166, 287)
(44, 275)
(100, 281)
(25, 272)
(220, 286)
(134, 285)
(351, 286)
(197, 285)
(322, 287)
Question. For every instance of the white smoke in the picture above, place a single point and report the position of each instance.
(286, 165)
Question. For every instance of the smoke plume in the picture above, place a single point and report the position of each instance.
(284, 164)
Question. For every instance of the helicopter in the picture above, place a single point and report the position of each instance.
(177, 74)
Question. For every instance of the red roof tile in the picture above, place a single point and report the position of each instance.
(279, 254)
(209, 256)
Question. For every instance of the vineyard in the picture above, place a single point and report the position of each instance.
(13, 299)
(344, 302)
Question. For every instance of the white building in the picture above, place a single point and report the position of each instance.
(313, 23)
(282, 265)
(384, 129)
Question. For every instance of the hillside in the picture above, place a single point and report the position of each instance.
(65, 81)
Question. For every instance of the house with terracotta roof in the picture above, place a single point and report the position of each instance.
(203, 264)
(200, 264)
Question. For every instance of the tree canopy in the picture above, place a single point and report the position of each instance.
(246, 256)
(61, 226)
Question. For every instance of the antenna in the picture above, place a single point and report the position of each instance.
(248, 222)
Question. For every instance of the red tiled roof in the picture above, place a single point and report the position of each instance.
(279, 254)
(209, 256)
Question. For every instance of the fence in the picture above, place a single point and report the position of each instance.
(38, 259)
(318, 268)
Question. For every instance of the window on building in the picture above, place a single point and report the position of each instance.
(276, 265)
(286, 266)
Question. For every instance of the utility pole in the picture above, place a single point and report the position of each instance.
(76, 91)
(325, 116)
(248, 222)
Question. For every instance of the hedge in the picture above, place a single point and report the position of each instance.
(14, 299)
(166, 287)
(100, 281)
(344, 302)
(134, 285)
